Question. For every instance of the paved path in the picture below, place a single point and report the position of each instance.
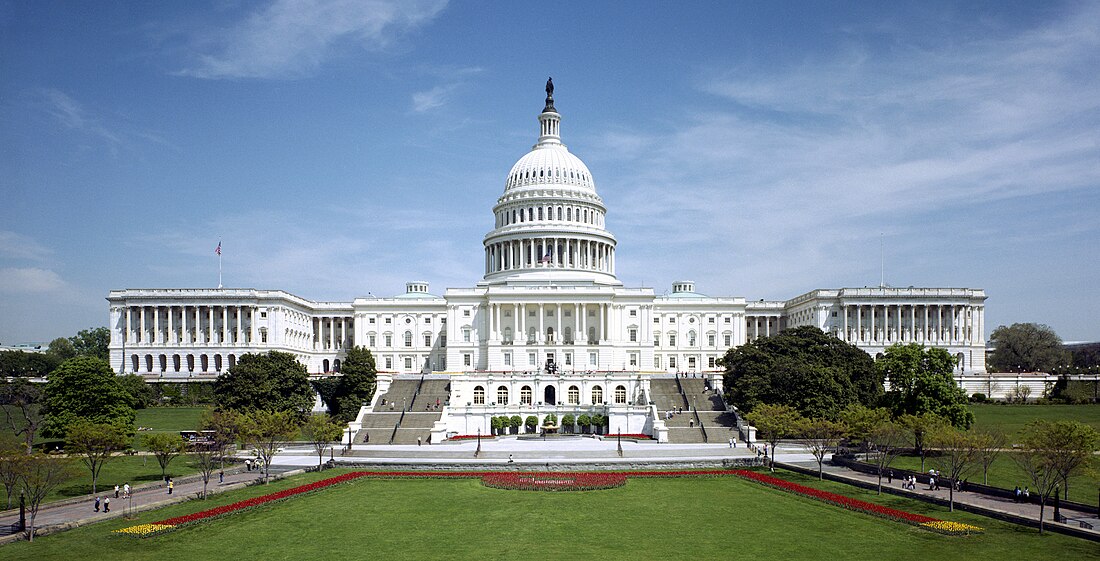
(1002, 505)
(81, 510)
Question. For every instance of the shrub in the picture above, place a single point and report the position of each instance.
(978, 398)
(515, 422)
(567, 422)
(584, 421)
(531, 422)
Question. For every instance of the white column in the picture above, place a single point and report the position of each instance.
(846, 336)
(557, 332)
(222, 334)
(540, 337)
(171, 339)
(859, 323)
(127, 336)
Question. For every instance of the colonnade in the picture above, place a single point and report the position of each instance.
(550, 252)
(333, 333)
(187, 325)
(579, 328)
(952, 324)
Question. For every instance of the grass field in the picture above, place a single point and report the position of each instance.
(1011, 418)
(1005, 473)
(661, 519)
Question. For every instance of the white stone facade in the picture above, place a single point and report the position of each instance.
(548, 313)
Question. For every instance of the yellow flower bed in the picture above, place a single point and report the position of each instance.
(144, 530)
(952, 528)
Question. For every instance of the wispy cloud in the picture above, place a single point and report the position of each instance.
(15, 280)
(438, 96)
(18, 246)
(292, 38)
(431, 99)
(802, 160)
(72, 114)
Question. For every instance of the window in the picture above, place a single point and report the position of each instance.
(531, 358)
(633, 335)
(389, 320)
(408, 363)
(656, 361)
(691, 363)
(427, 320)
(427, 339)
(370, 340)
(574, 395)
(389, 363)
(408, 339)
(727, 320)
(597, 395)
(711, 362)
(507, 359)
(633, 313)
(672, 320)
(656, 320)
(710, 340)
(370, 320)
(592, 359)
(691, 338)
(465, 313)
(263, 314)
(389, 340)
(466, 335)
(634, 359)
(467, 359)
(672, 362)
(672, 339)
(525, 395)
(502, 395)
(443, 340)
(710, 320)
(479, 394)
(728, 340)
(568, 359)
(620, 395)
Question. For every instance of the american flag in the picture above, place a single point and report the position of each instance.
(546, 258)
(218, 250)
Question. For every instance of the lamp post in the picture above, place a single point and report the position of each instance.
(619, 437)
(348, 449)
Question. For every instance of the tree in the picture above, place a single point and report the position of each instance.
(95, 444)
(19, 364)
(92, 342)
(531, 422)
(567, 422)
(774, 422)
(921, 382)
(957, 455)
(140, 392)
(11, 462)
(40, 474)
(1026, 347)
(862, 421)
(23, 408)
(220, 429)
(803, 367)
(321, 431)
(920, 427)
(61, 349)
(275, 381)
(1051, 453)
(820, 435)
(886, 441)
(355, 387)
(515, 422)
(84, 388)
(267, 432)
(987, 446)
(165, 446)
(584, 421)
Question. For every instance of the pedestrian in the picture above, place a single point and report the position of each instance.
(171, 485)
(1027, 495)
(106, 504)
(221, 476)
(731, 442)
(691, 423)
(1016, 494)
(890, 477)
(97, 504)
(418, 441)
(931, 483)
(116, 491)
(510, 460)
(248, 465)
(126, 490)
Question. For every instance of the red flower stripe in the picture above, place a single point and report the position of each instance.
(549, 481)
(625, 435)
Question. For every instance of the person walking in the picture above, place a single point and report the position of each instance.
(126, 490)
(731, 442)
(418, 441)
(97, 504)
(106, 504)
(116, 491)
(221, 476)
(171, 485)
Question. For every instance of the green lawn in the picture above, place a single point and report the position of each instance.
(166, 419)
(1011, 418)
(662, 519)
(134, 470)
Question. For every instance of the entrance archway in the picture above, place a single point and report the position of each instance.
(549, 396)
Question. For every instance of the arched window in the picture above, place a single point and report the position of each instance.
(569, 214)
(479, 395)
(691, 338)
(176, 362)
(232, 361)
(218, 363)
(591, 334)
(568, 334)
(502, 395)
(507, 334)
(559, 213)
(190, 363)
(540, 213)
(205, 362)
(525, 395)
(163, 363)
(532, 334)
(408, 339)
(530, 214)
(597, 395)
(574, 395)
(549, 334)
(620, 395)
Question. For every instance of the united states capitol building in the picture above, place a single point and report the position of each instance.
(548, 327)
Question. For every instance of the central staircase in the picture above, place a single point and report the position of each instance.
(699, 414)
(408, 410)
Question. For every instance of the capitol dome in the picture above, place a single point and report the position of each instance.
(550, 221)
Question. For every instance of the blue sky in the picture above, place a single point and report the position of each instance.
(340, 148)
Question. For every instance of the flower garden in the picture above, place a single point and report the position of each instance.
(557, 482)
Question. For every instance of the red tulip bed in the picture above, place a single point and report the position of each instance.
(926, 522)
(549, 481)
(472, 437)
(631, 436)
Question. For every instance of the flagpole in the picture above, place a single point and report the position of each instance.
(219, 270)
